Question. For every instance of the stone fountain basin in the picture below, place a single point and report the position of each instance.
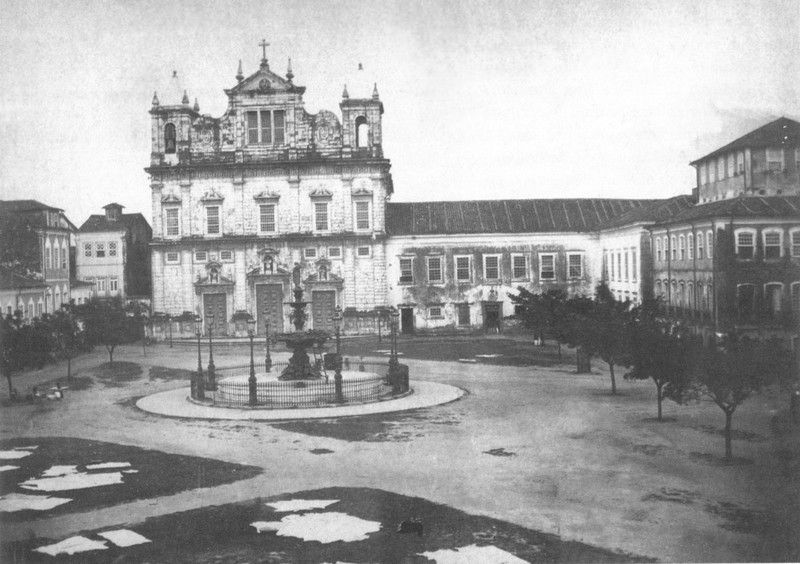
(273, 377)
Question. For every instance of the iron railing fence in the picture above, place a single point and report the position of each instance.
(375, 385)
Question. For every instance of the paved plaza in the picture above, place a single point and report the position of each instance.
(534, 450)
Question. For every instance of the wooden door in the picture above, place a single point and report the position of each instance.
(406, 320)
(323, 303)
(463, 314)
(269, 304)
(215, 304)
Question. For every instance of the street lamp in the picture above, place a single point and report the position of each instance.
(199, 392)
(267, 357)
(251, 329)
(211, 384)
(337, 379)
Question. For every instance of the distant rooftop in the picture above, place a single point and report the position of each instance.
(782, 131)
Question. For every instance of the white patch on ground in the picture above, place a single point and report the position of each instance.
(326, 527)
(493, 355)
(75, 481)
(14, 454)
(20, 502)
(130, 471)
(470, 360)
(105, 465)
(268, 526)
(301, 504)
(124, 537)
(72, 545)
(8, 467)
(63, 470)
(473, 553)
(30, 447)
(383, 351)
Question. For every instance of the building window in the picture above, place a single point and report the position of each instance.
(681, 247)
(266, 127)
(406, 270)
(745, 300)
(773, 244)
(170, 140)
(112, 248)
(201, 256)
(172, 257)
(491, 267)
(113, 285)
(773, 298)
(574, 265)
(87, 249)
(658, 249)
(731, 160)
(212, 220)
(703, 175)
(740, 162)
(435, 270)
(775, 160)
(310, 253)
(519, 266)
(796, 296)
(267, 218)
(690, 246)
(435, 312)
(100, 250)
(463, 269)
(364, 251)
(101, 285)
(48, 261)
(634, 266)
(626, 266)
(720, 168)
(172, 221)
(362, 215)
(63, 258)
(745, 244)
(709, 244)
(619, 265)
(699, 246)
(673, 247)
(362, 132)
(547, 267)
(796, 243)
(334, 252)
(226, 255)
(712, 172)
(321, 216)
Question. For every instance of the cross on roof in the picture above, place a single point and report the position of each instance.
(264, 46)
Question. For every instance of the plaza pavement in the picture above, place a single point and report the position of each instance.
(583, 464)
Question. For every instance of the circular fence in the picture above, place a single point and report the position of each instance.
(367, 382)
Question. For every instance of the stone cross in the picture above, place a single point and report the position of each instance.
(264, 46)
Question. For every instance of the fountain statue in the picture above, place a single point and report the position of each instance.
(300, 367)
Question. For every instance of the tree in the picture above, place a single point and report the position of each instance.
(105, 322)
(67, 332)
(609, 330)
(11, 357)
(543, 314)
(730, 375)
(659, 351)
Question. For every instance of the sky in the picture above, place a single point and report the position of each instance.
(503, 99)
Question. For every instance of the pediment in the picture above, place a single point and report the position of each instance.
(212, 196)
(321, 194)
(267, 197)
(264, 81)
(171, 199)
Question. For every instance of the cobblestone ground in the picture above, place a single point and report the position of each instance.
(538, 447)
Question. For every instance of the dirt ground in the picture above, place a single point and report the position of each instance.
(538, 447)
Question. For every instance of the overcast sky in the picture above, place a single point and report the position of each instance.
(482, 99)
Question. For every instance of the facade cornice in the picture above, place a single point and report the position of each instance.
(283, 237)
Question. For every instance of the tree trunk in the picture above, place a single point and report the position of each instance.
(583, 361)
(613, 379)
(559, 352)
(69, 368)
(728, 447)
(110, 354)
(10, 387)
(660, 397)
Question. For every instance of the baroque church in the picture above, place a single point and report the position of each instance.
(243, 201)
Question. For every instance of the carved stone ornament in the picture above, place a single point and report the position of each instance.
(267, 197)
(212, 196)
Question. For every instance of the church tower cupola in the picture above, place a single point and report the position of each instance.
(361, 115)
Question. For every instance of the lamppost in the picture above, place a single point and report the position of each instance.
(211, 384)
(199, 392)
(169, 326)
(337, 379)
(251, 382)
(267, 357)
(393, 363)
(144, 334)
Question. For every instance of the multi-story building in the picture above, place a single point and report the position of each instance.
(243, 201)
(112, 253)
(35, 245)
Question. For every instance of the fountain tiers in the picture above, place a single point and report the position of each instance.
(300, 367)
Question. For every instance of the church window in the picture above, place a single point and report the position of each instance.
(266, 127)
(226, 255)
(363, 251)
(435, 270)
(170, 140)
(796, 243)
(310, 252)
(279, 126)
(112, 248)
(407, 270)
(491, 267)
(212, 220)
(362, 132)
(547, 266)
(463, 269)
(773, 244)
(334, 252)
(745, 244)
(362, 214)
(575, 265)
(87, 249)
(267, 217)
(200, 256)
(321, 216)
(172, 257)
(519, 266)
(100, 250)
(172, 222)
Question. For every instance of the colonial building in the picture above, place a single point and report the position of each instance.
(242, 200)
(35, 246)
(113, 254)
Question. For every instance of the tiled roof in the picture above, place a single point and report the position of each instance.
(507, 216)
(14, 206)
(10, 280)
(100, 223)
(779, 132)
(742, 207)
(656, 210)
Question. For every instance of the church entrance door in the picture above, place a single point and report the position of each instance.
(323, 303)
(214, 304)
(269, 304)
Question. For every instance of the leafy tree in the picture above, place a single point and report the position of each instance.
(67, 335)
(731, 375)
(11, 355)
(659, 351)
(609, 330)
(105, 322)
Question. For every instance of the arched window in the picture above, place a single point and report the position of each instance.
(169, 138)
(690, 246)
(362, 133)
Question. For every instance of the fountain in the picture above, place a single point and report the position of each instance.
(300, 367)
